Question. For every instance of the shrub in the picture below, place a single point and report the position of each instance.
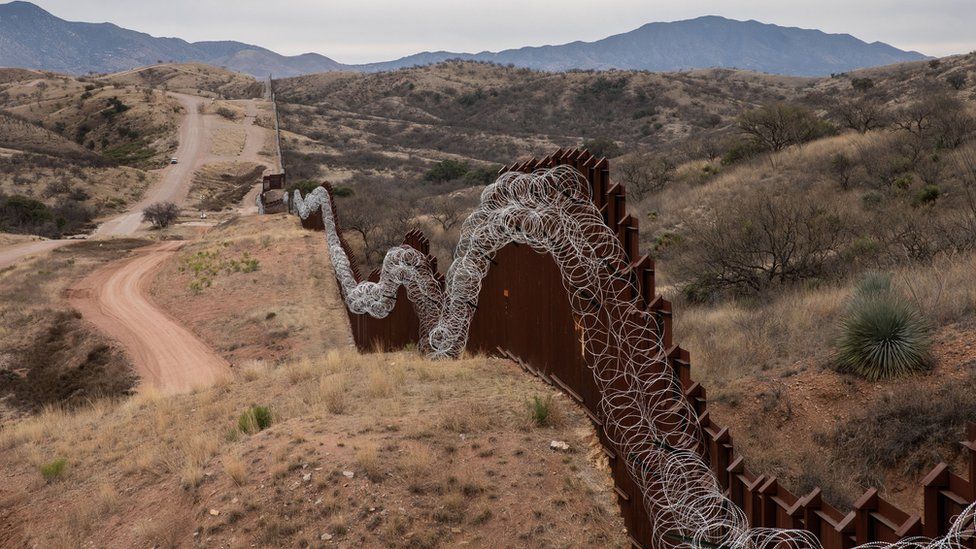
(907, 428)
(862, 84)
(927, 195)
(957, 80)
(52, 471)
(541, 411)
(739, 151)
(446, 170)
(342, 191)
(227, 113)
(882, 335)
(602, 147)
(254, 419)
(304, 186)
(161, 214)
(777, 126)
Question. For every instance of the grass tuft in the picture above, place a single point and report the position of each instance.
(53, 470)
(254, 419)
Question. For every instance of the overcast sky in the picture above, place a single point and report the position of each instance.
(358, 31)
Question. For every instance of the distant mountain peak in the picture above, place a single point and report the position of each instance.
(30, 37)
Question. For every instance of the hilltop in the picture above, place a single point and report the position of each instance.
(33, 38)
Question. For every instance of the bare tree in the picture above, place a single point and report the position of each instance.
(862, 114)
(777, 126)
(762, 241)
(645, 173)
(161, 214)
(447, 211)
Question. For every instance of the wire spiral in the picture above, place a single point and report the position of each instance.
(646, 416)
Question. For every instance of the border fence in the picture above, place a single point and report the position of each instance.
(524, 313)
(273, 198)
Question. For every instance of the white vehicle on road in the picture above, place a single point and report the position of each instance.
(174, 160)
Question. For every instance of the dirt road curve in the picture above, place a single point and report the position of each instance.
(165, 355)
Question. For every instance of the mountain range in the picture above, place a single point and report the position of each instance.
(30, 37)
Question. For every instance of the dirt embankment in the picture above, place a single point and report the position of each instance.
(48, 356)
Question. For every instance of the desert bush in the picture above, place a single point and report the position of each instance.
(602, 147)
(645, 173)
(759, 241)
(254, 419)
(542, 411)
(911, 428)
(53, 470)
(227, 113)
(20, 214)
(446, 170)
(861, 114)
(882, 336)
(862, 84)
(842, 168)
(777, 126)
(957, 80)
(161, 214)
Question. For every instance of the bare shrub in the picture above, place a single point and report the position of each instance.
(644, 173)
(161, 214)
(761, 241)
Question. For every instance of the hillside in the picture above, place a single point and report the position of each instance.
(33, 38)
(874, 181)
(381, 449)
(703, 42)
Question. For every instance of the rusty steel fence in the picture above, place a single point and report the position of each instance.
(524, 314)
(273, 197)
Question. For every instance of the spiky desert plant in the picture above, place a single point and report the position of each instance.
(882, 335)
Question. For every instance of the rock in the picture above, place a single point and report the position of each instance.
(235, 500)
(214, 512)
(325, 537)
(307, 477)
(455, 530)
(348, 474)
(559, 446)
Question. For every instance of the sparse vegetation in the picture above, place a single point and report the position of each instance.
(161, 214)
(53, 470)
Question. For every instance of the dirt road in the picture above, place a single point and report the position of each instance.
(12, 254)
(165, 355)
(174, 183)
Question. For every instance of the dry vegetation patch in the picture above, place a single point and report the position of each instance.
(222, 186)
(49, 355)
(279, 302)
(441, 457)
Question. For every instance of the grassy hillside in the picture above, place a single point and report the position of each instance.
(770, 204)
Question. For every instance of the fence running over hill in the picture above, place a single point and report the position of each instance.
(272, 198)
(525, 310)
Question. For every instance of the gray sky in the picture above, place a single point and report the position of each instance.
(360, 31)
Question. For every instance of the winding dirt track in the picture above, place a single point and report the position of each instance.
(164, 354)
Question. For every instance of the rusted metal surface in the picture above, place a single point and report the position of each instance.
(524, 313)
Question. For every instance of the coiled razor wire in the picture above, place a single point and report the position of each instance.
(646, 416)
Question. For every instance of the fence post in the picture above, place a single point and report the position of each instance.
(933, 511)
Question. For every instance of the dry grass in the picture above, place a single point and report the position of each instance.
(132, 453)
(235, 468)
(735, 339)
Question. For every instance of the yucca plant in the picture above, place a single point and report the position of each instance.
(882, 335)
